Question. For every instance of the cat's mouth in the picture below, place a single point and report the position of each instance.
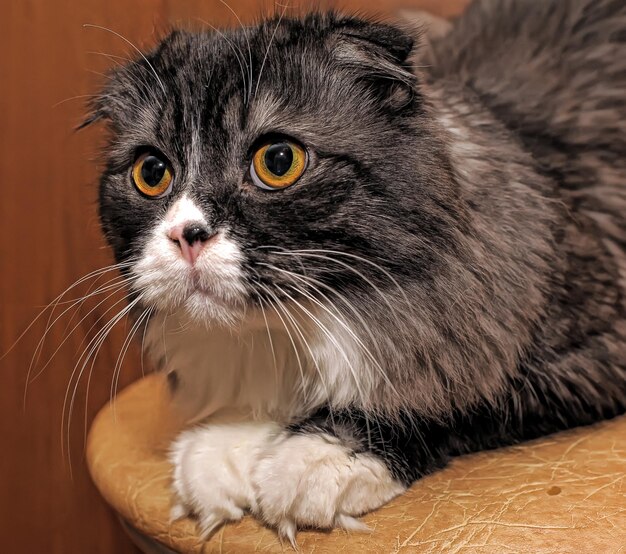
(206, 292)
(211, 288)
(211, 295)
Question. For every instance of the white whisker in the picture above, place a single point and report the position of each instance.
(50, 324)
(117, 370)
(315, 284)
(89, 25)
(267, 51)
(298, 330)
(341, 322)
(347, 266)
(55, 302)
(245, 33)
(112, 57)
(236, 50)
(78, 97)
(94, 347)
(330, 337)
(143, 340)
(367, 261)
(30, 380)
(276, 305)
(269, 336)
(89, 375)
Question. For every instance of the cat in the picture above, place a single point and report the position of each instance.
(360, 253)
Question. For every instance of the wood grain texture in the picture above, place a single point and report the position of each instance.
(49, 237)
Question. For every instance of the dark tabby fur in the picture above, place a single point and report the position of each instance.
(485, 172)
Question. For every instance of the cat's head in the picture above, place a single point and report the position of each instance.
(292, 159)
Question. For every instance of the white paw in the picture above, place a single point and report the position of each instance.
(289, 481)
(313, 481)
(212, 471)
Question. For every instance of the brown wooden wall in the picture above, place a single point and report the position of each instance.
(49, 237)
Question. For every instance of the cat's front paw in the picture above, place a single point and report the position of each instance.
(212, 471)
(288, 480)
(313, 480)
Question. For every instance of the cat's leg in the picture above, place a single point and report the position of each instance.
(324, 472)
(318, 477)
(321, 473)
(333, 467)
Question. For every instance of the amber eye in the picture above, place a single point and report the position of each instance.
(152, 175)
(278, 165)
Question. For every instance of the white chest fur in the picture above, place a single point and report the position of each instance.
(258, 368)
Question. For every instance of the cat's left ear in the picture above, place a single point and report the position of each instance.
(388, 40)
(378, 55)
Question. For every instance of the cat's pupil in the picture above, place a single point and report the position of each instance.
(278, 158)
(152, 170)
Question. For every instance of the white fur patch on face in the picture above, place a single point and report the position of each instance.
(183, 210)
(210, 290)
(289, 481)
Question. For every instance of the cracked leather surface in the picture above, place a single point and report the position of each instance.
(565, 493)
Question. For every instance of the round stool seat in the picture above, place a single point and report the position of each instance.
(565, 493)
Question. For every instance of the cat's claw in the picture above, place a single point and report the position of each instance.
(287, 530)
(350, 523)
(209, 524)
(178, 511)
(208, 520)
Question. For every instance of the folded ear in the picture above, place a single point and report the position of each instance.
(387, 39)
(100, 107)
(378, 56)
(93, 116)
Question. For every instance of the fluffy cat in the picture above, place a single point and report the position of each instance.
(360, 256)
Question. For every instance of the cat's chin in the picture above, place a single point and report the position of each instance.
(199, 307)
(206, 308)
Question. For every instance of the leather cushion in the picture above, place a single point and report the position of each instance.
(565, 493)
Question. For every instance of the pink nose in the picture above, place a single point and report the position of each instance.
(190, 238)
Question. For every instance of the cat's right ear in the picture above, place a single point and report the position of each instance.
(89, 120)
(96, 112)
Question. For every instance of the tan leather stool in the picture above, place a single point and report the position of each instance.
(563, 494)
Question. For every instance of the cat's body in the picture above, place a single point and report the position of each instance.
(448, 274)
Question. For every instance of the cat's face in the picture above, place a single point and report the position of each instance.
(265, 164)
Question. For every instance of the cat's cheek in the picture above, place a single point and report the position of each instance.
(312, 480)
